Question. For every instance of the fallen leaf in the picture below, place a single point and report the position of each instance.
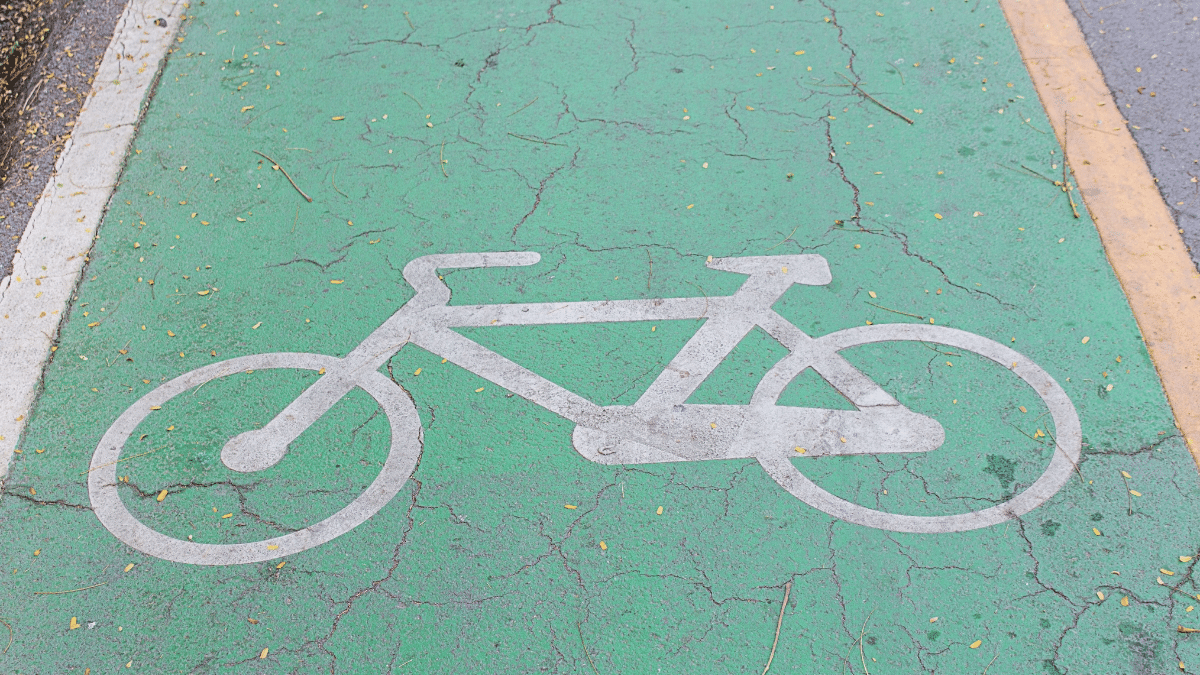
(161, 496)
(975, 644)
(74, 623)
(1125, 601)
(570, 506)
(263, 653)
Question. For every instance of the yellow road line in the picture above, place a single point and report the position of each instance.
(1135, 225)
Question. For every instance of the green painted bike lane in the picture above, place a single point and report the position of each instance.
(626, 145)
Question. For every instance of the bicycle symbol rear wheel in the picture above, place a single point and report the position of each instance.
(401, 461)
(1067, 440)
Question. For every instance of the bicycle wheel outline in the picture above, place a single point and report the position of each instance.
(1066, 423)
(405, 450)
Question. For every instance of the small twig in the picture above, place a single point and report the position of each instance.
(119, 460)
(335, 187)
(297, 218)
(787, 590)
(10, 637)
(940, 351)
(1026, 121)
(410, 23)
(442, 159)
(414, 98)
(861, 633)
(33, 91)
(1022, 432)
(787, 237)
(275, 165)
(1064, 452)
(534, 140)
(915, 316)
(1066, 186)
(1084, 6)
(579, 627)
(1128, 495)
(897, 71)
(1181, 629)
(651, 272)
(535, 98)
(73, 590)
(989, 665)
(875, 100)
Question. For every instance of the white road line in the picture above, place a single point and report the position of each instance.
(50, 259)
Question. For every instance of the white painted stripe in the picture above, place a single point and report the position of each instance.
(59, 236)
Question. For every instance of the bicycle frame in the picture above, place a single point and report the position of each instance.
(658, 427)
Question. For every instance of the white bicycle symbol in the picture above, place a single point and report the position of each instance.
(659, 427)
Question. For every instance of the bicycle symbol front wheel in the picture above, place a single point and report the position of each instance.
(1067, 443)
(401, 461)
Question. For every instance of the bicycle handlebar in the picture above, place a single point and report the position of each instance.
(422, 275)
(808, 269)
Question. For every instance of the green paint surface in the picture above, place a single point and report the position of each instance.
(626, 144)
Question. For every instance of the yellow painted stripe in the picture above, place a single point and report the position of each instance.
(1135, 225)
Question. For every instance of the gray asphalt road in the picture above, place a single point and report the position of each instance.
(1149, 52)
(45, 98)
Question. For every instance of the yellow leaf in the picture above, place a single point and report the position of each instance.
(417, 371)
(1166, 572)
(799, 52)
(203, 292)
(129, 567)
(933, 619)
(659, 511)
(272, 547)
(603, 546)
(938, 216)
(1126, 474)
(339, 118)
(1085, 339)
(1095, 532)
(1185, 558)
(1100, 595)
(1022, 409)
(280, 565)
(479, 390)
(337, 281)
(227, 515)
(162, 495)
(872, 294)
(74, 623)
(975, 644)
(570, 506)
(1125, 601)
(263, 653)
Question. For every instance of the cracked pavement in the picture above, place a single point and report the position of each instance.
(626, 144)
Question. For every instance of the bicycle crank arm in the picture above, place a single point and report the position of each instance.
(703, 432)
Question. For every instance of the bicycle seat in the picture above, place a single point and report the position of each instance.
(808, 269)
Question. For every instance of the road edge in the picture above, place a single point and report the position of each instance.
(54, 248)
(1135, 225)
